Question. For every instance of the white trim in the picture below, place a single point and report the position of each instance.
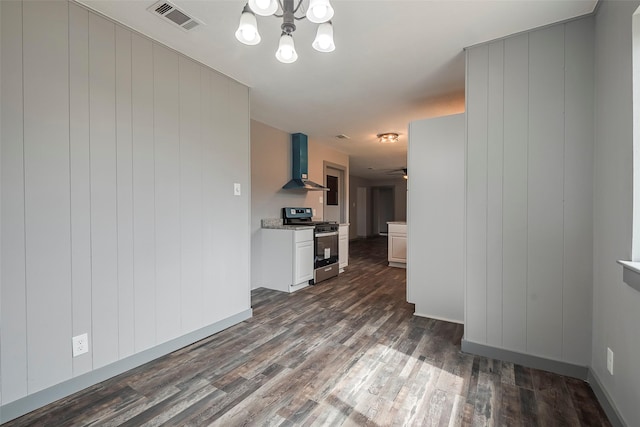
(459, 322)
(631, 273)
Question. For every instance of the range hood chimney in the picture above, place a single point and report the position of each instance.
(300, 163)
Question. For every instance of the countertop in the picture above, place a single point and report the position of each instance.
(288, 227)
(397, 222)
(276, 224)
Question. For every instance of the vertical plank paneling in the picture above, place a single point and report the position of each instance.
(1, 260)
(104, 229)
(47, 193)
(124, 174)
(167, 179)
(546, 204)
(208, 202)
(238, 129)
(219, 273)
(113, 169)
(80, 179)
(143, 193)
(495, 129)
(191, 194)
(545, 192)
(13, 334)
(578, 200)
(476, 214)
(514, 202)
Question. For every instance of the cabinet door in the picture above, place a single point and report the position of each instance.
(397, 248)
(303, 268)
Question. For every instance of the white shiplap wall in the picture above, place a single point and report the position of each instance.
(118, 163)
(529, 237)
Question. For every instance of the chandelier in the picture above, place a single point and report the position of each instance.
(319, 12)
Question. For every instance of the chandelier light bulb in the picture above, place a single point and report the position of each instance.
(324, 38)
(286, 52)
(247, 32)
(264, 7)
(319, 11)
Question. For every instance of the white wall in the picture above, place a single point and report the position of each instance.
(118, 215)
(529, 195)
(270, 170)
(616, 306)
(435, 217)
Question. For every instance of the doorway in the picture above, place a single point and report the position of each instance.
(382, 205)
(335, 200)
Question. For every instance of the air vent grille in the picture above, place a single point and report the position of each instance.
(163, 8)
(189, 25)
(171, 13)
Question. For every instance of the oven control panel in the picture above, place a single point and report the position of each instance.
(297, 213)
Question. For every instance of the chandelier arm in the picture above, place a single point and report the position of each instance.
(281, 8)
(282, 16)
(297, 7)
(295, 10)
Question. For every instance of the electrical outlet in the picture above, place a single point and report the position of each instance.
(320, 199)
(80, 344)
(236, 189)
(609, 361)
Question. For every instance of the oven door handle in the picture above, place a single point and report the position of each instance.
(331, 233)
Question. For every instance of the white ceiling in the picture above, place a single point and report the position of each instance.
(395, 61)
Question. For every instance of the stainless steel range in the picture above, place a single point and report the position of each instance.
(325, 239)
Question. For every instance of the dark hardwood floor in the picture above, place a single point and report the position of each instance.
(347, 351)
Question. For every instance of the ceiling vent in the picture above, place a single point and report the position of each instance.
(172, 13)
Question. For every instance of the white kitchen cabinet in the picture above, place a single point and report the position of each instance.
(287, 259)
(343, 246)
(303, 261)
(397, 244)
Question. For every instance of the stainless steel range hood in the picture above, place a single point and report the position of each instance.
(300, 166)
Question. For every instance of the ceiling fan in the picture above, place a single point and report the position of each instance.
(401, 171)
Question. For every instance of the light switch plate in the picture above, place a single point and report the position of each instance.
(237, 189)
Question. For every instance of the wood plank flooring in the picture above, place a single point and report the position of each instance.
(347, 351)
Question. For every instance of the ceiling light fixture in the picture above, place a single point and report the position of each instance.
(388, 138)
(318, 11)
